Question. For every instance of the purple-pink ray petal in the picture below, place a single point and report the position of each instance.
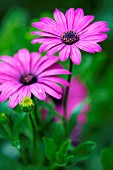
(52, 85)
(9, 60)
(51, 24)
(44, 34)
(60, 19)
(54, 49)
(38, 91)
(55, 79)
(53, 72)
(96, 38)
(79, 13)
(70, 13)
(64, 53)
(47, 26)
(51, 91)
(13, 99)
(24, 59)
(48, 44)
(84, 22)
(6, 77)
(9, 70)
(38, 40)
(37, 65)
(90, 47)
(47, 64)
(96, 27)
(8, 90)
(75, 55)
(34, 60)
(24, 92)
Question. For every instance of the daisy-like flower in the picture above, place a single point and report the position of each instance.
(27, 73)
(68, 33)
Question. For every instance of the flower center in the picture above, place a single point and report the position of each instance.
(70, 37)
(28, 79)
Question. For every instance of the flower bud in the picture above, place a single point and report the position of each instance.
(3, 118)
(27, 104)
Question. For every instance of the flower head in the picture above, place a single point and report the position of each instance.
(27, 104)
(27, 73)
(68, 33)
(77, 94)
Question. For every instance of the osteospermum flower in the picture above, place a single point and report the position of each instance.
(27, 73)
(68, 33)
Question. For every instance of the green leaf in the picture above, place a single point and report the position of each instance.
(107, 159)
(58, 133)
(62, 156)
(50, 148)
(83, 151)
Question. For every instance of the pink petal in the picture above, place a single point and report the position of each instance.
(70, 13)
(53, 72)
(34, 60)
(51, 24)
(51, 84)
(50, 91)
(96, 38)
(38, 91)
(54, 49)
(77, 94)
(75, 55)
(44, 34)
(38, 40)
(60, 19)
(89, 46)
(84, 22)
(8, 89)
(24, 59)
(49, 44)
(79, 13)
(96, 27)
(5, 77)
(38, 63)
(13, 100)
(64, 53)
(24, 92)
(47, 64)
(9, 69)
(9, 60)
(55, 79)
(48, 26)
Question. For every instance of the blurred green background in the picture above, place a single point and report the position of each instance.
(96, 70)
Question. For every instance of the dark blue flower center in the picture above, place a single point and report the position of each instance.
(28, 79)
(70, 37)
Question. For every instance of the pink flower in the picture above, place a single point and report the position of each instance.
(77, 94)
(68, 33)
(27, 73)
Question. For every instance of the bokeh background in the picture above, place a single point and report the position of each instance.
(96, 70)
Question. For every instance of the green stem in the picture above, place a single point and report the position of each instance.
(8, 131)
(23, 156)
(34, 139)
(35, 111)
(67, 90)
